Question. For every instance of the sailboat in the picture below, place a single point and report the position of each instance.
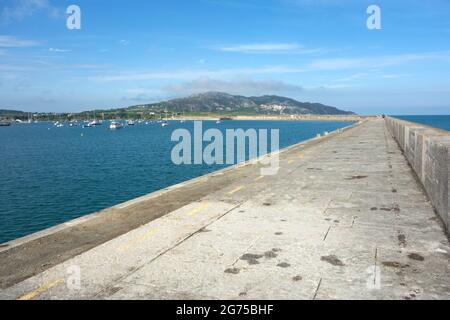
(165, 123)
(115, 125)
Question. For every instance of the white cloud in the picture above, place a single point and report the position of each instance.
(374, 62)
(13, 42)
(352, 77)
(191, 74)
(260, 47)
(235, 86)
(25, 8)
(58, 50)
(291, 48)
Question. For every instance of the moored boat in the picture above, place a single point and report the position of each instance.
(115, 125)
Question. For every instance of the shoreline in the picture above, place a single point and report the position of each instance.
(337, 118)
(225, 117)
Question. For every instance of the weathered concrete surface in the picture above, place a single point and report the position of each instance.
(428, 152)
(340, 217)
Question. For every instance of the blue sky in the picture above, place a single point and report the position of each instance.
(141, 51)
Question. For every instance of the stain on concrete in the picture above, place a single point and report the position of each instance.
(283, 265)
(297, 278)
(276, 250)
(357, 177)
(416, 256)
(270, 255)
(251, 258)
(395, 264)
(232, 270)
(278, 233)
(373, 209)
(112, 291)
(267, 204)
(242, 294)
(402, 240)
(394, 190)
(332, 259)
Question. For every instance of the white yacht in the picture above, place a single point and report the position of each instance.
(115, 125)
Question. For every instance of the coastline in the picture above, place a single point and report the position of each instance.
(343, 118)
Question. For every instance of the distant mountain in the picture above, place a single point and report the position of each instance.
(4, 112)
(218, 102)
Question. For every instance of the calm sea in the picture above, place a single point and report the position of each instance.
(50, 175)
(441, 122)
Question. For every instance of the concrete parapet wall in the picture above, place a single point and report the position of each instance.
(428, 152)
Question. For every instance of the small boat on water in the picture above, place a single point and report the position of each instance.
(95, 123)
(115, 125)
(130, 123)
(218, 121)
(5, 124)
(164, 124)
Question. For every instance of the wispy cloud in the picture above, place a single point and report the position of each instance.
(58, 50)
(22, 9)
(360, 65)
(191, 74)
(239, 85)
(13, 42)
(374, 62)
(352, 77)
(267, 48)
(236, 86)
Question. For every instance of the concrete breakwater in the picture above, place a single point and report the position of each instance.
(344, 218)
(428, 152)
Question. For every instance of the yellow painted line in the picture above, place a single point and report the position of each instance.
(259, 178)
(235, 190)
(33, 294)
(290, 161)
(134, 242)
(199, 209)
(300, 155)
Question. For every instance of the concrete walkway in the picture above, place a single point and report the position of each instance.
(343, 219)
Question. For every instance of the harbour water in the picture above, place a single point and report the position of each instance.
(50, 175)
(441, 122)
